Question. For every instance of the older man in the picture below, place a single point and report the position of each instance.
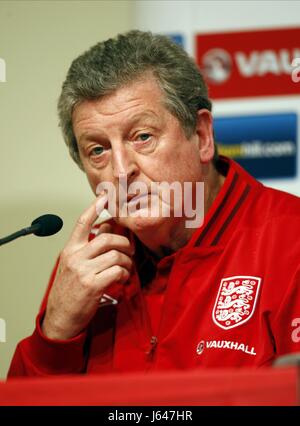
(148, 292)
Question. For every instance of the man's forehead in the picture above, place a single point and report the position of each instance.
(141, 100)
(85, 117)
(140, 91)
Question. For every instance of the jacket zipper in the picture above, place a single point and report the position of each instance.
(151, 339)
(152, 346)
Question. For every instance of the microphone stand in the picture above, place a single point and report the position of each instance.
(25, 231)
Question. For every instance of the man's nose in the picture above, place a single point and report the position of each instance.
(124, 162)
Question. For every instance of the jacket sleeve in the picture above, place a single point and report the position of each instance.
(38, 355)
(286, 327)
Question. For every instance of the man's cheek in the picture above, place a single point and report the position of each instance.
(94, 180)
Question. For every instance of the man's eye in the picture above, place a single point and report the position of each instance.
(144, 137)
(98, 150)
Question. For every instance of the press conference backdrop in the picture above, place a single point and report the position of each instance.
(245, 49)
(38, 40)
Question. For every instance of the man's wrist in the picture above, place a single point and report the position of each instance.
(52, 331)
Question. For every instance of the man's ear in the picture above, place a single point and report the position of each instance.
(204, 131)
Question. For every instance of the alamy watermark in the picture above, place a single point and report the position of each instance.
(296, 70)
(2, 330)
(161, 199)
(296, 332)
(2, 71)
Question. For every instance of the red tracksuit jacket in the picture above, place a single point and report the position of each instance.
(230, 297)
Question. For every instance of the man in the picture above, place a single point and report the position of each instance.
(147, 292)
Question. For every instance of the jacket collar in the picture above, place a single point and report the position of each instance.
(226, 209)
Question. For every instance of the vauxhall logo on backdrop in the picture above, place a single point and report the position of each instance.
(218, 63)
(250, 63)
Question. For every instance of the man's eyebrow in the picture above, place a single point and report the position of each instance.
(90, 136)
(131, 121)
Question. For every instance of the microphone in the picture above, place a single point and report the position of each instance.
(45, 225)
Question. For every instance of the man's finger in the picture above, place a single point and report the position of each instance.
(105, 242)
(105, 228)
(85, 222)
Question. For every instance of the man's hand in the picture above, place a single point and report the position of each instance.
(85, 270)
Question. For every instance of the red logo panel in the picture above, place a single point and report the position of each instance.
(249, 63)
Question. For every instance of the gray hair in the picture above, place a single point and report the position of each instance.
(118, 61)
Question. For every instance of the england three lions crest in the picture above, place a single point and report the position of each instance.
(236, 300)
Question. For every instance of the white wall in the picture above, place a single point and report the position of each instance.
(195, 16)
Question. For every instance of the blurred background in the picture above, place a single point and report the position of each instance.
(245, 48)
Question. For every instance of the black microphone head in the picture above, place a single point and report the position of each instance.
(49, 224)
